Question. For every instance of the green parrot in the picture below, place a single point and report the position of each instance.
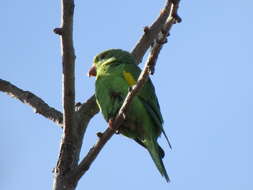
(116, 72)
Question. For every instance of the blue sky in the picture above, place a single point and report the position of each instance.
(203, 81)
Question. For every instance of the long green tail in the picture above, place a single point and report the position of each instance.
(155, 152)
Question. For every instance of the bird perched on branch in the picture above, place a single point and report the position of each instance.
(116, 71)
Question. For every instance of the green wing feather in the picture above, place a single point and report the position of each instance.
(110, 99)
(148, 97)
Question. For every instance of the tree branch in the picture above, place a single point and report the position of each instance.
(71, 140)
(151, 33)
(162, 37)
(32, 100)
(87, 110)
(119, 119)
(68, 64)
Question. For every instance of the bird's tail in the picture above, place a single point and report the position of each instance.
(157, 154)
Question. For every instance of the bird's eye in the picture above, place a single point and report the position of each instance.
(102, 56)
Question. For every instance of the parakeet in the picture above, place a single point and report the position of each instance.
(116, 71)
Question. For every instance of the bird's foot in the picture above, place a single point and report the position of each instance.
(110, 123)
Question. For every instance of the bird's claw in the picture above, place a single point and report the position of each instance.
(110, 123)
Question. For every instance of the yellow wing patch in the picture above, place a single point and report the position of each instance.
(129, 78)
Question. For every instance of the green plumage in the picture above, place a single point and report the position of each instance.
(116, 71)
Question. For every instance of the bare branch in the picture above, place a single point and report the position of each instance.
(174, 11)
(32, 100)
(87, 110)
(119, 119)
(162, 37)
(71, 140)
(68, 64)
(151, 33)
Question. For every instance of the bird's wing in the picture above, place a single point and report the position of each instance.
(110, 95)
(147, 96)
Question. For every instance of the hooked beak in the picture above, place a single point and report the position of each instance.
(93, 71)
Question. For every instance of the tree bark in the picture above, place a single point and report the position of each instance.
(71, 140)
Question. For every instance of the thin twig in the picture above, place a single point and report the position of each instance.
(32, 100)
(151, 33)
(162, 38)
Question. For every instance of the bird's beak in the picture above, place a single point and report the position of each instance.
(93, 71)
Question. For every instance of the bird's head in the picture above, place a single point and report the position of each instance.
(110, 59)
